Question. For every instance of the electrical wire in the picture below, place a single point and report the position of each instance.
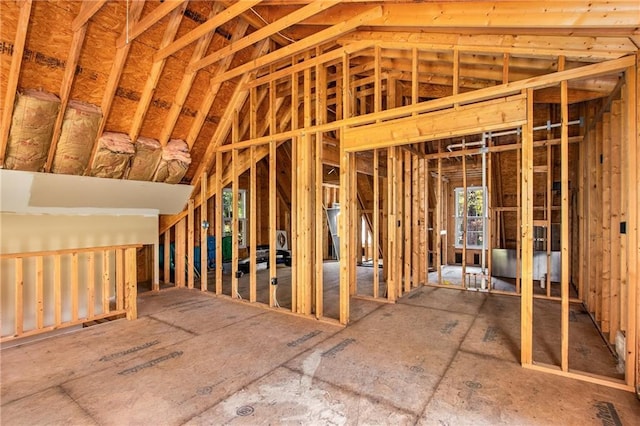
(267, 23)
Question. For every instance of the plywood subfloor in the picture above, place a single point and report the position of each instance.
(437, 357)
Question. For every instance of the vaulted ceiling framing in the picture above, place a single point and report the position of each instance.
(179, 69)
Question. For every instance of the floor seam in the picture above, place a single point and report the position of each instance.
(84, 410)
(455, 355)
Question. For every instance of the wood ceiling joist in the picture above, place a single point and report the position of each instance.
(186, 83)
(204, 29)
(587, 47)
(139, 27)
(14, 74)
(135, 11)
(212, 91)
(224, 126)
(539, 15)
(67, 80)
(302, 45)
(86, 12)
(154, 74)
(267, 31)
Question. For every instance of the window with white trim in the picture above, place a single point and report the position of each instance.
(474, 216)
(227, 215)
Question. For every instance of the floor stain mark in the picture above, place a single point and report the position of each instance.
(607, 413)
(448, 327)
(129, 351)
(416, 369)
(473, 385)
(303, 339)
(491, 334)
(193, 307)
(572, 316)
(151, 363)
(245, 410)
(338, 348)
(414, 295)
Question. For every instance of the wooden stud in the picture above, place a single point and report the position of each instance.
(154, 74)
(39, 292)
(253, 217)
(321, 117)
(464, 221)
(75, 287)
(615, 272)
(406, 220)
(190, 243)
(86, 13)
(57, 291)
(131, 287)
(167, 257)
(19, 298)
(106, 281)
(235, 197)
(375, 235)
(180, 255)
(12, 78)
(526, 315)
(632, 114)
(519, 219)
(218, 222)
(91, 283)
(204, 228)
(439, 209)
(605, 272)
(564, 232)
(415, 222)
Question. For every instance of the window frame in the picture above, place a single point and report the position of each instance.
(459, 225)
(227, 216)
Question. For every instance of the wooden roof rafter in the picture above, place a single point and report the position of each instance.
(79, 26)
(14, 74)
(135, 11)
(266, 31)
(202, 30)
(139, 27)
(155, 73)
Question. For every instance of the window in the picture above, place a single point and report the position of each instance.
(474, 216)
(227, 215)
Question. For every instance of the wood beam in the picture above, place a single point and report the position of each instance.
(299, 46)
(526, 231)
(187, 81)
(14, 74)
(114, 78)
(148, 21)
(87, 11)
(266, 31)
(206, 29)
(154, 74)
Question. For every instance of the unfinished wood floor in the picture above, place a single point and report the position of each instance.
(438, 357)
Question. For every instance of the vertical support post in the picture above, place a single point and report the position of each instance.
(75, 285)
(464, 221)
(190, 243)
(375, 237)
(253, 237)
(415, 220)
(616, 243)
(406, 221)
(131, 288)
(57, 289)
(218, 221)
(439, 207)
(106, 283)
(526, 301)
(391, 261)
(180, 253)
(91, 284)
(204, 232)
(40, 292)
(234, 216)
(344, 230)
(564, 232)
(19, 298)
(321, 111)
(167, 256)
